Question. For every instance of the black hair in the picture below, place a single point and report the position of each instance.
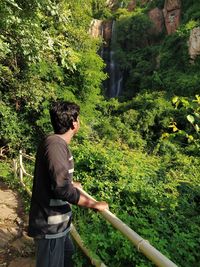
(63, 114)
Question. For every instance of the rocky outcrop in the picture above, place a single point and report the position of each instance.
(96, 28)
(194, 43)
(172, 15)
(107, 32)
(100, 28)
(172, 5)
(156, 16)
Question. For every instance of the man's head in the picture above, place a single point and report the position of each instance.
(64, 116)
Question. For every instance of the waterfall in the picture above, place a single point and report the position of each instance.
(113, 85)
(115, 82)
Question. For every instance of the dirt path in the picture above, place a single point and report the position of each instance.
(16, 248)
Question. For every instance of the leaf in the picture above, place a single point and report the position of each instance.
(175, 100)
(174, 127)
(197, 115)
(190, 138)
(190, 118)
(185, 102)
(13, 3)
(165, 135)
(198, 98)
(196, 127)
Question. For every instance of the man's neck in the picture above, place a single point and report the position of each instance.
(67, 137)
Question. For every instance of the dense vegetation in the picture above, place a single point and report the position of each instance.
(139, 152)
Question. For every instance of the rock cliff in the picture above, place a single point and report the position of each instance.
(156, 16)
(96, 28)
(194, 43)
(172, 15)
(100, 28)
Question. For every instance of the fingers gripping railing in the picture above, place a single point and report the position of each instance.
(141, 244)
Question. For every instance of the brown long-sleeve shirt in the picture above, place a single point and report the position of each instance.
(53, 191)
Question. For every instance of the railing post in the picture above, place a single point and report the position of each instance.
(15, 167)
(20, 167)
(22, 171)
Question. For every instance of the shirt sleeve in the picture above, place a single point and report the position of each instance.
(61, 172)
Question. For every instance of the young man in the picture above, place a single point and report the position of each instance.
(54, 190)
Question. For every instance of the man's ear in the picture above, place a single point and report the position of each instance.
(74, 124)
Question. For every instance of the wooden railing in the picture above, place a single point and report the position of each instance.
(141, 244)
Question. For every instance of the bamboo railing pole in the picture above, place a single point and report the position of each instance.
(79, 241)
(20, 169)
(142, 245)
(21, 173)
(28, 157)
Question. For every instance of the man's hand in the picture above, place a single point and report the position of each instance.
(87, 201)
(101, 205)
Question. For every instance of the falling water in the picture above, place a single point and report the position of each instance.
(115, 84)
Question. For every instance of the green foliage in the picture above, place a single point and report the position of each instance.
(130, 28)
(173, 47)
(140, 154)
(9, 124)
(14, 133)
(190, 10)
(6, 170)
(100, 9)
(45, 54)
(140, 122)
(134, 52)
(148, 194)
(156, 61)
(185, 127)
